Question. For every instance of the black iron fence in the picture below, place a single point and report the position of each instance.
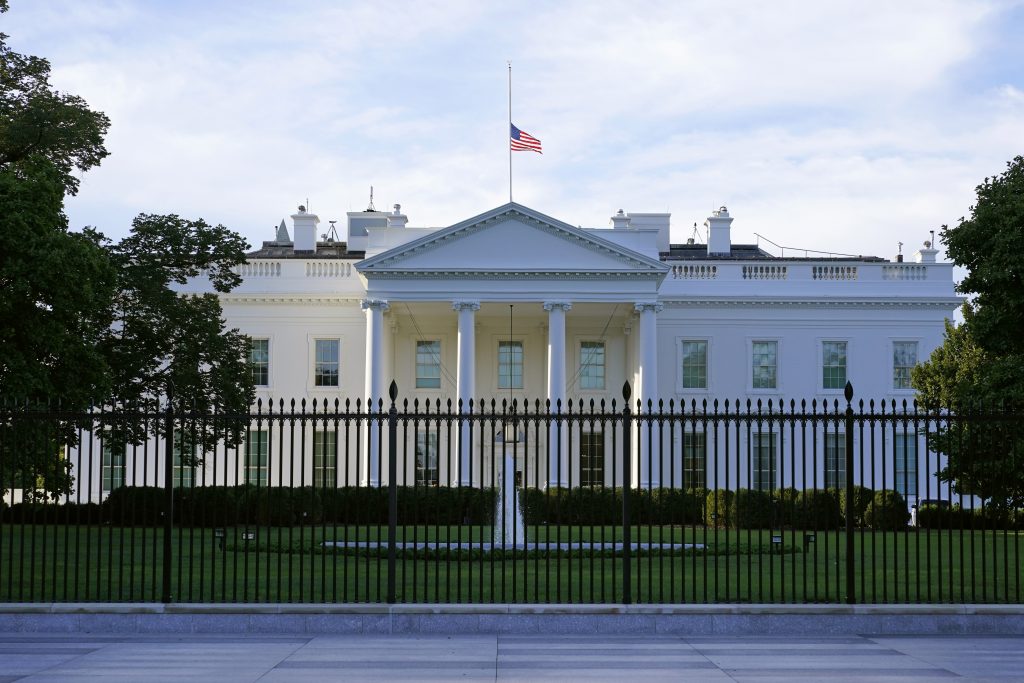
(590, 502)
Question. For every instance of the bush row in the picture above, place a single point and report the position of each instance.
(821, 509)
(956, 517)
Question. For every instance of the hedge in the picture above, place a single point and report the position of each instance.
(887, 511)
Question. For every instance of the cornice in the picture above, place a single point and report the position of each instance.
(813, 303)
(515, 275)
(291, 299)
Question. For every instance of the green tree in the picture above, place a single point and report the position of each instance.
(86, 322)
(979, 369)
(162, 340)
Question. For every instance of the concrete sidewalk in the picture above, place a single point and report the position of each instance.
(225, 658)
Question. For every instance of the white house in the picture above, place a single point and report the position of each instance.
(514, 304)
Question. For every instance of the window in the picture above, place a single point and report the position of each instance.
(835, 459)
(325, 459)
(833, 365)
(256, 452)
(591, 459)
(592, 365)
(695, 365)
(765, 364)
(112, 468)
(259, 361)
(764, 461)
(428, 364)
(184, 475)
(510, 365)
(905, 452)
(426, 459)
(325, 370)
(695, 458)
(904, 358)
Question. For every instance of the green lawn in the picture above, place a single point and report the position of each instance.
(68, 563)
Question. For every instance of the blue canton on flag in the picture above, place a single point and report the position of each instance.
(524, 142)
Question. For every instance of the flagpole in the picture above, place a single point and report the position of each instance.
(508, 132)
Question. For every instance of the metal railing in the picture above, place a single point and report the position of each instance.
(587, 502)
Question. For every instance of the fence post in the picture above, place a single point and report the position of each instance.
(392, 490)
(851, 597)
(169, 493)
(627, 484)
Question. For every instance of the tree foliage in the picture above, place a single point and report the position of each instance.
(978, 372)
(86, 322)
(38, 122)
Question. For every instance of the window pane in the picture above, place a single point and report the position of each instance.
(695, 365)
(764, 461)
(428, 365)
(591, 459)
(510, 365)
(259, 360)
(695, 455)
(426, 459)
(325, 373)
(833, 365)
(905, 466)
(113, 468)
(325, 459)
(904, 358)
(765, 365)
(835, 459)
(184, 467)
(256, 458)
(592, 365)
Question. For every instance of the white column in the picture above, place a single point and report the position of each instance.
(374, 388)
(466, 381)
(648, 391)
(558, 464)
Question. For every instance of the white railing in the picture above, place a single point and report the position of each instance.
(259, 269)
(764, 272)
(695, 272)
(900, 271)
(834, 272)
(328, 269)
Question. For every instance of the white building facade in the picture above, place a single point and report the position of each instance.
(516, 305)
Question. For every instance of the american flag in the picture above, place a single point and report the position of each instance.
(522, 141)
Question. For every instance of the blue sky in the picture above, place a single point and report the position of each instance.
(845, 126)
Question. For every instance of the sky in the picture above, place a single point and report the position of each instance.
(838, 126)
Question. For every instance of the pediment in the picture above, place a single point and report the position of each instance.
(511, 240)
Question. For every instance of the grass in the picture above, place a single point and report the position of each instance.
(45, 563)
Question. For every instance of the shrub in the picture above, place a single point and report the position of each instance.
(785, 506)
(887, 511)
(206, 506)
(862, 497)
(135, 506)
(741, 509)
(817, 509)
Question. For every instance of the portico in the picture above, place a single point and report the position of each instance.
(508, 306)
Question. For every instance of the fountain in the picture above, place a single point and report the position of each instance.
(509, 530)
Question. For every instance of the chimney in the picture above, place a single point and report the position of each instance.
(397, 219)
(926, 255)
(282, 234)
(719, 226)
(620, 221)
(305, 230)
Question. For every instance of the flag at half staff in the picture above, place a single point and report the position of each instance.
(523, 142)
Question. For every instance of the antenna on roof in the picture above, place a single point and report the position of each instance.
(370, 207)
(332, 233)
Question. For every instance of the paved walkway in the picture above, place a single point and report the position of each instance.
(228, 659)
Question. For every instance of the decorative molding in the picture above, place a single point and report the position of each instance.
(465, 305)
(375, 304)
(814, 303)
(652, 306)
(515, 275)
(563, 305)
(288, 299)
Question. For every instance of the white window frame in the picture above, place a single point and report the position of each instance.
(758, 438)
(311, 340)
(777, 389)
(498, 341)
(325, 458)
(837, 436)
(821, 364)
(910, 473)
(270, 346)
(582, 356)
(416, 363)
(248, 468)
(596, 437)
(892, 363)
(428, 443)
(680, 384)
(108, 482)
